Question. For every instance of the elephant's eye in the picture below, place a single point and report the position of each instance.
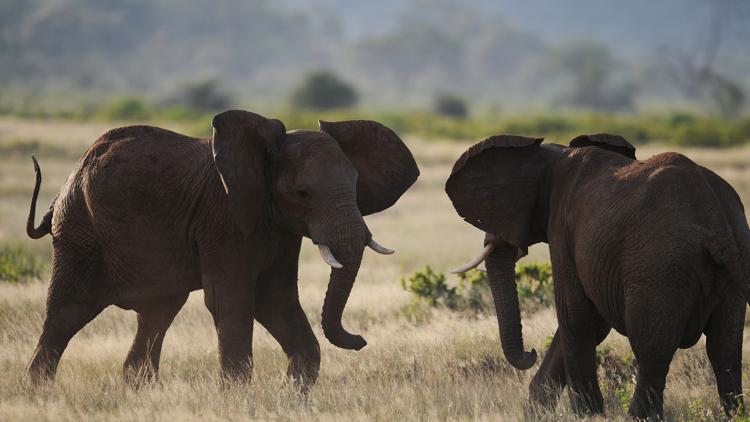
(303, 194)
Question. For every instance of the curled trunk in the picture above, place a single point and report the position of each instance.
(502, 279)
(339, 287)
(343, 230)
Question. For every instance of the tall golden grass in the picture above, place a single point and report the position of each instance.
(420, 363)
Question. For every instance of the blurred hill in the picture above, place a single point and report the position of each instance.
(502, 53)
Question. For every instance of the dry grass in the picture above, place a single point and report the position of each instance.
(419, 364)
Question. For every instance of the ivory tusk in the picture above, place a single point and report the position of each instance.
(375, 246)
(327, 255)
(476, 261)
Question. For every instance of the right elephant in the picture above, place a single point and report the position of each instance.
(658, 249)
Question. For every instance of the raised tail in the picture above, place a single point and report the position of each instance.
(45, 226)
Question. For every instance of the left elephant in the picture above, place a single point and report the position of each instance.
(149, 215)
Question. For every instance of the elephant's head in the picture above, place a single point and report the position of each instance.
(314, 183)
(502, 186)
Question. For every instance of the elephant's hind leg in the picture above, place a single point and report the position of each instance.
(654, 340)
(724, 348)
(71, 304)
(154, 319)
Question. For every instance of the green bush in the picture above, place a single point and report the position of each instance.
(534, 284)
(472, 292)
(702, 133)
(743, 130)
(431, 286)
(126, 108)
(323, 96)
(18, 264)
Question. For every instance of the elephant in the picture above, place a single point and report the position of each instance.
(149, 215)
(658, 249)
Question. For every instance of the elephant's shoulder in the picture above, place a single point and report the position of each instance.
(674, 161)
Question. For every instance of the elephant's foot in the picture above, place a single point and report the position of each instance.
(646, 411)
(587, 400)
(236, 371)
(544, 393)
(733, 405)
(63, 321)
(42, 367)
(648, 400)
(303, 371)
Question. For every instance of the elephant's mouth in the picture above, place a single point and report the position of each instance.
(490, 243)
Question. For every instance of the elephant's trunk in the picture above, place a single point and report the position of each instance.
(339, 286)
(501, 266)
(346, 244)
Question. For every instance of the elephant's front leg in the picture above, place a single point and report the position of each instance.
(232, 307)
(279, 311)
(549, 381)
(229, 294)
(580, 328)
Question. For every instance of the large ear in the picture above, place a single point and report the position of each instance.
(385, 165)
(242, 142)
(614, 143)
(495, 186)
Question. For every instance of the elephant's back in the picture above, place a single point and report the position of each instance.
(135, 192)
(141, 169)
(147, 150)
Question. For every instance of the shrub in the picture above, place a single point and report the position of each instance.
(540, 125)
(534, 285)
(743, 130)
(126, 108)
(17, 264)
(701, 134)
(430, 286)
(203, 95)
(472, 292)
(451, 106)
(324, 90)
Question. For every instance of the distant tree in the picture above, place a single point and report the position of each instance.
(450, 105)
(203, 95)
(696, 70)
(324, 90)
(590, 67)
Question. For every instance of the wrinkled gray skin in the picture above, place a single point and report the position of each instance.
(659, 250)
(149, 215)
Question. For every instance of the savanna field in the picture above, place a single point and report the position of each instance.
(426, 358)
